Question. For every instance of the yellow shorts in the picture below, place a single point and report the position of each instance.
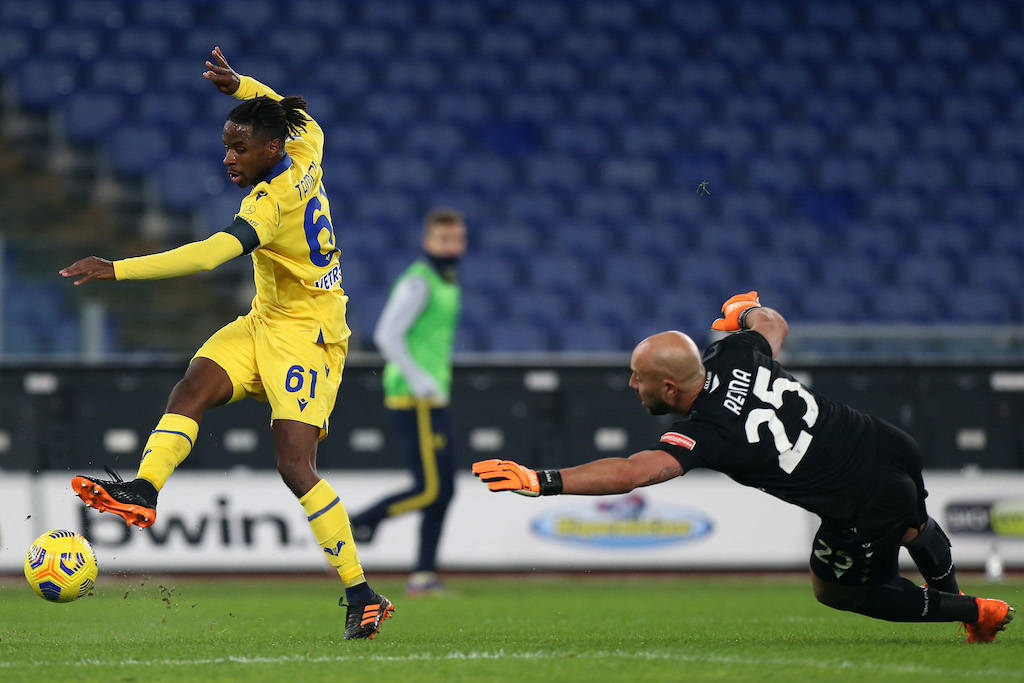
(297, 377)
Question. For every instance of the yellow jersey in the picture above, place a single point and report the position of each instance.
(297, 265)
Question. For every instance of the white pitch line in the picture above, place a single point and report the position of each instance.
(830, 665)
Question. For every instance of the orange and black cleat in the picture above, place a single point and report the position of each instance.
(993, 616)
(363, 619)
(134, 501)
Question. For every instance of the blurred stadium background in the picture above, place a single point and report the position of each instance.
(864, 160)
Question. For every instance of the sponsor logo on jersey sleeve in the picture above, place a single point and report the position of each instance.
(677, 439)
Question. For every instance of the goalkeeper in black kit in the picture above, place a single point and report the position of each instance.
(745, 416)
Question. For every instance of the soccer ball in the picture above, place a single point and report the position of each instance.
(61, 566)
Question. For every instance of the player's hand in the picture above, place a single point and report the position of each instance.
(423, 386)
(506, 475)
(731, 310)
(91, 268)
(222, 75)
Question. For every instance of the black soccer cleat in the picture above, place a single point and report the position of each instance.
(135, 501)
(363, 619)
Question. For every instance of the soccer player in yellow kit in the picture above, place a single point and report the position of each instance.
(289, 350)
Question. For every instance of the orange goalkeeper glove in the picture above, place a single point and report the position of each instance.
(506, 475)
(735, 312)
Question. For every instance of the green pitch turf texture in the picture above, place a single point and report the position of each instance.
(511, 628)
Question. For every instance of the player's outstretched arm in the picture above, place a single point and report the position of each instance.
(600, 477)
(221, 74)
(89, 268)
(771, 325)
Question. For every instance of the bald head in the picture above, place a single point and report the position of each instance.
(667, 372)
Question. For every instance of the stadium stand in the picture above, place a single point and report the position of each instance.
(854, 155)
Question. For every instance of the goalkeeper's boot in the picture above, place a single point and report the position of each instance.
(993, 616)
(363, 619)
(135, 501)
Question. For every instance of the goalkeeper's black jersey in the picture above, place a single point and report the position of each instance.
(754, 422)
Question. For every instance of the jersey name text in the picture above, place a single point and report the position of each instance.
(736, 392)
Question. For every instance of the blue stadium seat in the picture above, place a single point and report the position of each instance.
(390, 13)
(42, 82)
(777, 174)
(602, 106)
(590, 46)
(535, 107)
(514, 241)
(138, 148)
(950, 140)
(1005, 138)
(176, 109)
(742, 49)
(15, 45)
(28, 15)
(390, 108)
(540, 18)
(590, 336)
(408, 172)
(482, 272)
(834, 304)
(578, 139)
(102, 14)
(552, 75)
(186, 183)
(982, 20)
(544, 308)
(152, 43)
(922, 173)
(516, 336)
(694, 18)
(483, 172)
(846, 172)
(895, 208)
(507, 42)
(607, 206)
(463, 14)
(637, 173)
(365, 42)
(831, 112)
(849, 271)
(633, 77)
(790, 79)
(442, 44)
(412, 75)
(538, 208)
(90, 116)
(861, 79)
(731, 140)
(797, 139)
(617, 307)
(932, 272)
(900, 17)
(360, 141)
(982, 305)
(832, 16)
(462, 106)
(434, 141)
(297, 44)
(871, 46)
(558, 273)
(117, 74)
(998, 174)
(638, 274)
(657, 45)
(490, 76)
(925, 79)
(999, 271)
(648, 138)
(179, 14)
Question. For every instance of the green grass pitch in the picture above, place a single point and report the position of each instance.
(509, 628)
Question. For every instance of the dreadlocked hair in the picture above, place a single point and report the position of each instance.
(271, 119)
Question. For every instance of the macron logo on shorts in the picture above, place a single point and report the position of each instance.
(677, 439)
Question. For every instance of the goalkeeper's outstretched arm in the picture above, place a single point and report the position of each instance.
(596, 478)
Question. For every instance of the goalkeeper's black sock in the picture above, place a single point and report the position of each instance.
(900, 600)
(930, 551)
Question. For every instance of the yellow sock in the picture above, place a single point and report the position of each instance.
(168, 445)
(333, 531)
